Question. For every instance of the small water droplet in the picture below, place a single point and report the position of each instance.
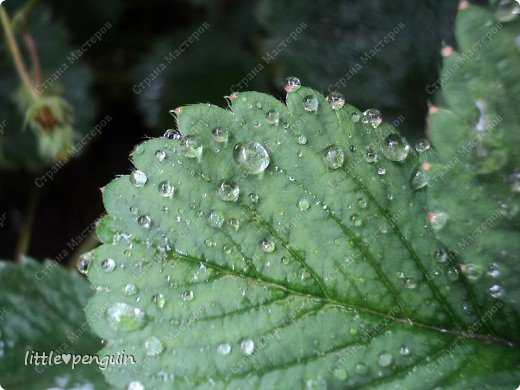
(336, 100)
(272, 117)
(372, 117)
(191, 146)
(310, 103)
(224, 349)
(355, 116)
(135, 385)
(496, 291)
(253, 197)
(302, 140)
(303, 204)
(422, 145)
(441, 255)
(166, 189)
(385, 359)
(267, 245)
(144, 221)
(493, 270)
(419, 178)
(356, 220)
(130, 289)
(172, 134)
(371, 156)
(234, 224)
(472, 271)
(252, 158)
(122, 316)
(438, 219)
(362, 203)
(84, 262)
(153, 346)
(220, 134)
(216, 219)
(159, 300)
(404, 351)
(160, 155)
(292, 84)
(410, 283)
(138, 178)
(395, 147)
(333, 156)
(228, 191)
(381, 171)
(246, 346)
(187, 296)
(108, 265)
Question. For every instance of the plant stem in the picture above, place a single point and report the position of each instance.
(87, 245)
(26, 228)
(33, 55)
(15, 53)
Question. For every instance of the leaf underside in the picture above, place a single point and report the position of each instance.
(317, 275)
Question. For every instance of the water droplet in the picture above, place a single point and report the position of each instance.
(216, 219)
(224, 349)
(191, 146)
(159, 300)
(355, 116)
(252, 158)
(108, 265)
(452, 273)
(84, 262)
(130, 289)
(333, 157)
(160, 155)
(356, 220)
(292, 84)
(472, 271)
(371, 156)
(135, 385)
(410, 283)
(381, 171)
(395, 147)
(336, 100)
(496, 291)
(172, 134)
(362, 203)
(302, 140)
(187, 296)
(234, 224)
(253, 197)
(419, 178)
(303, 204)
(138, 178)
(144, 221)
(310, 103)
(272, 117)
(246, 346)
(372, 117)
(220, 134)
(507, 11)
(122, 316)
(493, 270)
(385, 359)
(166, 189)
(422, 145)
(340, 373)
(153, 346)
(404, 351)
(267, 245)
(441, 255)
(438, 219)
(228, 191)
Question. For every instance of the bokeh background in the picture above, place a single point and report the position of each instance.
(151, 56)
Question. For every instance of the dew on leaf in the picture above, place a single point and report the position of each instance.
(224, 349)
(84, 262)
(355, 117)
(187, 296)
(472, 271)
(130, 289)
(361, 368)
(160, 155)
(370, 156)
(356, 220)
(252, 158)
(272, 117)
(384, 359)
(493, 270)
(220, 134)
(419, 178)
(122, 316)
(234, 223)
(372, 117)
(301, 139)
(507, 10)
(333, 156)
(381, 171)
(172, 134)
(228, 191)
(422, 145)
(144, 221)
(191, 146)
(336, 100)
(438, 219)
(159, 300)
(404, 351)
(135, 385)
(292, 84)
(246, 346)
(303, 204)
(153, 346)
(267, 245)
(138, 178)
(395, 147)
(108, 265)
(165, 188)
(216, 219)
(310, 103)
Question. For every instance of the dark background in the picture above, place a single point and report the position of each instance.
(240, 33)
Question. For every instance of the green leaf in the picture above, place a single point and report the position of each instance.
(65, 79)
(475, 177)
(318, 269)
(40, 310)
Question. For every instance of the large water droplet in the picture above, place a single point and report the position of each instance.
(310, 103)
(191, 146)
(372, 117)
(336, 100)
(272, 117)
(220, 134)
(251, 158)
(422, 145)
(420, 177)
(292, 84)
(160, 155)
(138, 178)
(216, 219)
(246, 346)
(228, 191)
(122, 316)
(172, 134)
(84, 262)
(166, 189)
(395, 147)
(496, 291)
(153, 346)
(507, 11)
(333, 156)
